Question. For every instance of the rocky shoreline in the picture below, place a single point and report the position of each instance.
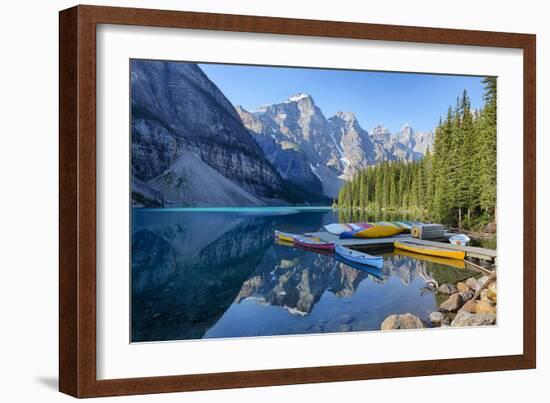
(472, 302)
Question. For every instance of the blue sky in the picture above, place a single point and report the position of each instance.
(392, 99)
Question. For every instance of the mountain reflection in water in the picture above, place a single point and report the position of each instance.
(204, 274)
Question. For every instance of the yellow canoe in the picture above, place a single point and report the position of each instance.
(288, 237)
(285, 236)
(431, 251)
(458, 264)
(279, 241)
(378, 231)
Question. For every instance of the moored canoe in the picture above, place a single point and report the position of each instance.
(359, 257)
(457, 264)
(281, 242)
(428, 250)
(378, 231)
(313, 243)
(294, 245)
(325, 252)
(338, 228)
(285, 236)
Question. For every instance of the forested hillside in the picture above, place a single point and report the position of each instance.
(455, 183)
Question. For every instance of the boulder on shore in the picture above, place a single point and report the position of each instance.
(447, 289)
(452, 304)
(492, 292)
(403, 321)
(486, 295)
(469, 306)
(473, 284)
(464, 318)
(485, 306)
(462, 287)
(439, 319)
(466, 295)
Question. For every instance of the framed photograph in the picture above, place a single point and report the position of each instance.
(255, 201)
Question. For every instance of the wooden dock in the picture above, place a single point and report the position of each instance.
(489, 255)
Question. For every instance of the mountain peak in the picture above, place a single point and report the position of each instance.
(380, 128)
(345, 116)
(298, 97)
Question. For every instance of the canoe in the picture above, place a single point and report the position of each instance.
(339, 228)
(359, 257)
(429, 250)
(295, 246)
(285, 236)
(279, 241)
(406, 225)
(457, 264)
(388, 224)
(325, 252)
(459, 239)
(378, 231)
(313, 243)
(349, 234)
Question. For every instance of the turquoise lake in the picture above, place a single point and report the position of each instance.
(218, 273)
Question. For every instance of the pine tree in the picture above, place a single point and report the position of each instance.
(488, 136)
(455, 183)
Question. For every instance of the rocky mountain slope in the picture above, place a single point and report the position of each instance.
(399, 146)
(419, 142)
(287, 157)
(333, 149)
(299, 124)
(179, 116)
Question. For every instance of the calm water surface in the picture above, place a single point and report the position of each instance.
(207, 273)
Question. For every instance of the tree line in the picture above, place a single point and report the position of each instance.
(454, 184)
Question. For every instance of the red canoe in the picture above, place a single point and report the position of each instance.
(313, 243)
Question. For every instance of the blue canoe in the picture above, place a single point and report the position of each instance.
(359, 257)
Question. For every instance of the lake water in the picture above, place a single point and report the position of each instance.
(207, 273)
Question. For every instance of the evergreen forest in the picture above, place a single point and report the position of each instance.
(454, 184)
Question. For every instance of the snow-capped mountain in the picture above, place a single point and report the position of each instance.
(406, 145)
(286, 156)
(300, 125)
(416, 141)
(381, 134)
(355, 145)
(335, 149)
